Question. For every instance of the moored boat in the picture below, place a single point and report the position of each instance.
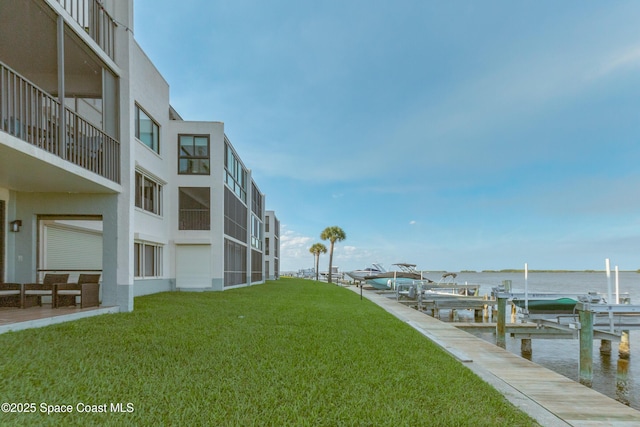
(547, 305)
(447, 286)
(373, 270)
(406, 273)
(552, 303)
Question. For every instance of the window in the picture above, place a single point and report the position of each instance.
(147, 130)
(148, 194)
(235, 216)
(256, 232)
(193, 154)
(256, 198)
(147, 260)
(194, 203)
(235, 174)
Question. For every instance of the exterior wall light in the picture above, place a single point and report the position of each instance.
(15, 225)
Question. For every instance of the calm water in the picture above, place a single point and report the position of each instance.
(561, 355)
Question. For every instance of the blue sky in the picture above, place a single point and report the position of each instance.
(453, 135)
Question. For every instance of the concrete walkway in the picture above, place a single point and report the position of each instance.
(548, 397)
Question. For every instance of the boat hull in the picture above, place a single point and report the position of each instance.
(384, 283)
(559, 305)
(361, 275)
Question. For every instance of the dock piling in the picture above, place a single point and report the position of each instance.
(623, 348)
(622, 388)
(586, 347)
(502, 321)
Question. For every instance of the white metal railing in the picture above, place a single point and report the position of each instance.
(29, 113)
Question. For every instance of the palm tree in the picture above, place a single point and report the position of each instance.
(316, 249)
(333, 234)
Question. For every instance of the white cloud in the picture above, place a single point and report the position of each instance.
(349, 249)
(291, 244)
(294, 250)
(627, 58)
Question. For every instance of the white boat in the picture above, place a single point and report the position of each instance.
(306, 273)
(335, 274)
(428, 289)
(456, 291)
(406, 273)
(447, 286)
(359, 275)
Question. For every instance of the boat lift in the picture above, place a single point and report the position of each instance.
(589, 320)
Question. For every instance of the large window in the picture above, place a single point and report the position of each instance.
(148, 194)
(256, 232)
(256, 198)
(194, 205)
(147, 130)
(193, 154)
(148, 260)
(235, 174)
(235, 216)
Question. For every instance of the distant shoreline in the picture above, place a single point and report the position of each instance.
(544, 271)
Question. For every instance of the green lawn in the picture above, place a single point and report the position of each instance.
(291, 352)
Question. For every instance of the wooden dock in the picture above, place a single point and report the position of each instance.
(548, 397)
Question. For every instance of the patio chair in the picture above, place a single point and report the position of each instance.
(87, 288)
(32, 293)
(10, 295)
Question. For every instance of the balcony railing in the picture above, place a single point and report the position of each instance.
(29, 113)
(95, 20)
(194, 219)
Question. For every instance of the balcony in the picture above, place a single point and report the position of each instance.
(194, 219)
(32, 115)
(92, 16)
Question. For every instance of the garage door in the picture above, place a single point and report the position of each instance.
(193, 266)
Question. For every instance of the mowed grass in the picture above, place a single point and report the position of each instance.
(287, 353)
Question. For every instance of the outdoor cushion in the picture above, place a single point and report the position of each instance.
(69, 292)
(37, 292)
